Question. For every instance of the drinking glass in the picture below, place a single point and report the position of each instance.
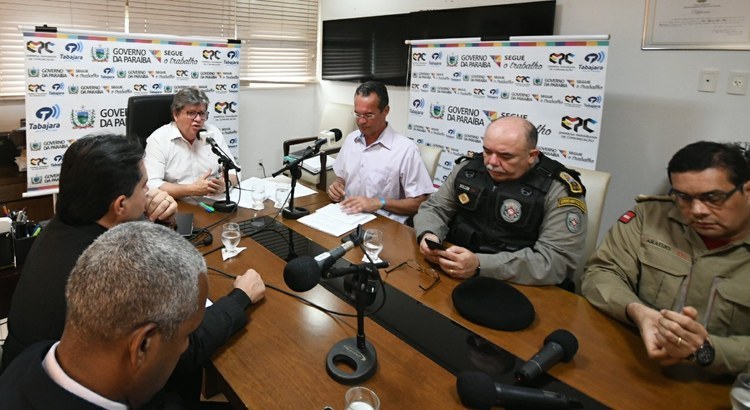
(230, 236)
(258, 195)
(740, 393)
(361, 398)
(282, 191)
(373, 242)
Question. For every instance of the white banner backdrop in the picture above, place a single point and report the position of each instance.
(78, 83)
(458, 88)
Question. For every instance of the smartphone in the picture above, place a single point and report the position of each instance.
(184, 222)
(434, 245)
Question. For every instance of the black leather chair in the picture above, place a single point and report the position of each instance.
(146, 113)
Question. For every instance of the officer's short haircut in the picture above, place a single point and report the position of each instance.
(703, 155)
(376, 87)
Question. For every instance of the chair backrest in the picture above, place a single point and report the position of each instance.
(596, 183)
(146, 113)
(336, 115)
(431, 157)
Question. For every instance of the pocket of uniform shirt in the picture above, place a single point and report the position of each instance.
(731, 308)
(662, 274)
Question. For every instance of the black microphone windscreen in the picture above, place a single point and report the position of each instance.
(476, 390)
(337, 133)
(302, 274)
(566, 340)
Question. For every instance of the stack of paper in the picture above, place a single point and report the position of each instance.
(332, 220)
(312, 164)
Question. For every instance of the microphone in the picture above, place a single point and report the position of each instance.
(559, 345)
(217, 150)
(319, 143)
(304, 272)
(477, 390)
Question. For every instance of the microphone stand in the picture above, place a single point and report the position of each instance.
(295, 170)
(226, 205)
(356, 352)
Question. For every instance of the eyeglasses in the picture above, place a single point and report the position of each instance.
(714, 198)
(416, 266)
(193, 114)
(367, 116)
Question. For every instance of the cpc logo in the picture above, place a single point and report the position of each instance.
(479, 92)
(560, 58)
(221, 87)
(595, 57)
(575, 123)
(181, 73)
(522, 79)
(39, 47)
(211, 54)
(74, 47)
(139, 87)
(38, 161)
(223, 107)
(573, 99)
(46, 113)
(418, 103)
(419, 57)
(36, 88)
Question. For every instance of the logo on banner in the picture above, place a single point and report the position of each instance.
(452, 60)
(40, 47)
(538, 81)
(556, 82)
(82, 118)
(233, 57)
(524, 80)
(36, 89)
(109, 72)
(419, 57)
(38, 163)
(493, 93)
(474, 61)
(112, 117)
(576, 156)
(549, 152)
(547, 99)
(140, 88)
(181, 74)
(436, 58)
(595, 101)
(518, 62)
(73, 89)
(417, 107)
(130, 55)
(57, 89)
(593, 61)
(100, 54)
(479, 93)
(74, 52)
(57, 160)
(573, 100)
(33, 72)
(498, 59)
(211, 55)
(46, 115)
(156, 54)
(577, 123)
(225, 107)
(561, 58)
(437, 111)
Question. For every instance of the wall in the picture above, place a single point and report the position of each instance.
(651, 106)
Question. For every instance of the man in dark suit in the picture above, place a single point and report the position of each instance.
(103, 184)
(119, 353)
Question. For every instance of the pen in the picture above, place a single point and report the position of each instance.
(37, 230)
(208, 208)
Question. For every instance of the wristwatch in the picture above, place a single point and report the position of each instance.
(705, 354)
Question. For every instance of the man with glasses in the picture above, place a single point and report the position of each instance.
(678, 267)
(377, 169)
(178, 160)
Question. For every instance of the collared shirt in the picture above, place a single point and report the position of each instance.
(57, 374)
(391, 167)
(171, 158)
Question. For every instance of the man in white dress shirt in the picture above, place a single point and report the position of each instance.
(378, 169)
(178, 160)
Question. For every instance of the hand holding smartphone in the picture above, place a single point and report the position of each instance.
(434, 245)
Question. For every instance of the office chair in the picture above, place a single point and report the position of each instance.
(146, 113)
(431, 157)
(596, 183)
(335, 115)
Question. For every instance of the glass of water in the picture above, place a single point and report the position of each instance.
(373, 242)
(230, 236)
(361, 398)
(282, 192)
(740, 393)
(258, 195)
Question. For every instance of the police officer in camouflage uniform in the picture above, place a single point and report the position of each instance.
(511, 213)
(678, 267)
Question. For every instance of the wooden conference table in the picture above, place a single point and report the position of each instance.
(278, 361)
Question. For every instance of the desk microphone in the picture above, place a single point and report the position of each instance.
(304, 272)
(477, 390)
(217, 150)
(559, 345)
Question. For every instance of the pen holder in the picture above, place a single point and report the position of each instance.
(22, 247)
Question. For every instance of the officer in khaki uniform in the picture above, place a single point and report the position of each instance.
(512, 213)
(678, 266)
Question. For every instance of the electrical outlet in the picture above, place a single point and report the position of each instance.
(707, 80)
(737, 82)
